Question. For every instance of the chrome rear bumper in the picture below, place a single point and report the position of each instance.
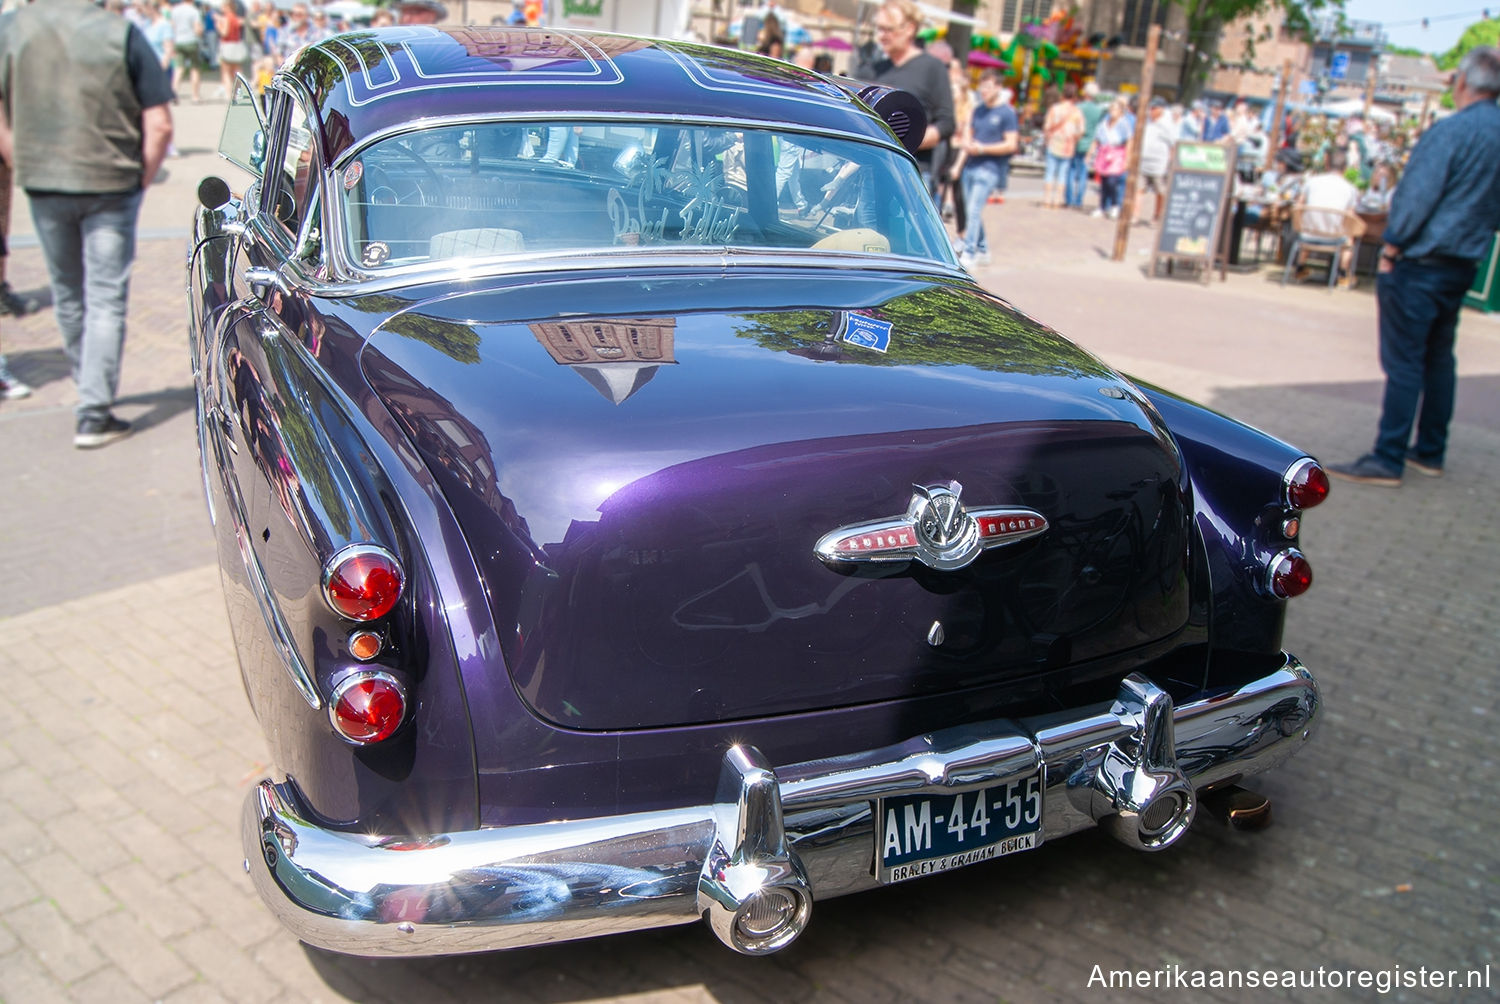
(752, 862)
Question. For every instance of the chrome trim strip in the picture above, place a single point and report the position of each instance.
(281, 634)
(611, 118)
(482, 269)
(508, 887)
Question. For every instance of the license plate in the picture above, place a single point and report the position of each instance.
(926, 834)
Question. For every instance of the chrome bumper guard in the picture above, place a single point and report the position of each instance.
(775, 839)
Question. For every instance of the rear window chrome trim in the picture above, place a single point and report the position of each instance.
(361, 283)
(610, 118)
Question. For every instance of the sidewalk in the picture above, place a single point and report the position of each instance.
(126, 745)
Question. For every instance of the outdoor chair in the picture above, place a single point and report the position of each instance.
(1314, 233)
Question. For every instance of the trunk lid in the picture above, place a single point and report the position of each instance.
(643, 486)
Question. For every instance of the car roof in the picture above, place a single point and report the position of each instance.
(364, 82)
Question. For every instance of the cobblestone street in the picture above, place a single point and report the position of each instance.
(127, 745)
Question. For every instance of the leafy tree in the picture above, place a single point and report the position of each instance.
(1477, 34)
(1206, 20)
(932, 326)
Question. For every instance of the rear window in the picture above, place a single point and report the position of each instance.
(481, 190)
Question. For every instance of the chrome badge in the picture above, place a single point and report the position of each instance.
(936, 530)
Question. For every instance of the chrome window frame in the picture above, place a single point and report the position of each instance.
(269, 232)
(347, 278)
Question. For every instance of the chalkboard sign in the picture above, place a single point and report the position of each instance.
(1193, 221)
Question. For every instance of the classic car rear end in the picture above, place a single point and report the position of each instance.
(611, 542)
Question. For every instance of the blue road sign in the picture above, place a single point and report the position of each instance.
(1338, 66)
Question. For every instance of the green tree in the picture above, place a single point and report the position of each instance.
(938, 325)
(1479, 33)
(1206, 20)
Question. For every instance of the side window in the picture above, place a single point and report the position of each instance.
(242, 140)
(309, 248)
(277, 104)
(299, 166)
(291, 189)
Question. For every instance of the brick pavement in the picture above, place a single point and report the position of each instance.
(126, 745)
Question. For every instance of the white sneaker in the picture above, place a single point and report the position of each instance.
(11, 389)
(1097, 213)
(983, 257)
(1114, 213)
(967, 260)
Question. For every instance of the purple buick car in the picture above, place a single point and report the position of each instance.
(629, 512)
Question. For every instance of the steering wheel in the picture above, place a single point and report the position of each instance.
(389, 190)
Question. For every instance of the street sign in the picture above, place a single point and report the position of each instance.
(1338, 66)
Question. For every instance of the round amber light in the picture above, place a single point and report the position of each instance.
(364, 645)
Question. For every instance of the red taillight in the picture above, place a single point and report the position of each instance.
(362, 582)
(1305, 484)
(1289, 574)
(367, 707)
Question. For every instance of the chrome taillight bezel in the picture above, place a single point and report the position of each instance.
(354, 551)
(350, 680)
(1289, 479)
(1287, 555)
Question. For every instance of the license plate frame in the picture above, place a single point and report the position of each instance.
(927, 841)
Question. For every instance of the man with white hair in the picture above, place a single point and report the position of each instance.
(1443, 217)
(906, 67)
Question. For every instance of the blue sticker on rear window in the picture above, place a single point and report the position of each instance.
(867, 332)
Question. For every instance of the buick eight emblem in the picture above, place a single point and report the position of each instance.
(937, 531)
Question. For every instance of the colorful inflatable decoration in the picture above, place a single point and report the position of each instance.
(1054, 47)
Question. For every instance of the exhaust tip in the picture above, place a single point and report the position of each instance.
(1157, 824)
(1161, 813)
(770, 920)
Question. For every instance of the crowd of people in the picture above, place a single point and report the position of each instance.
(1437, 231)
(195, 39)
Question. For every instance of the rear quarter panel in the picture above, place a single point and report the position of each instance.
(1236, 473)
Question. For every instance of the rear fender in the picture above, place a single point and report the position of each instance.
(301, 483)
(1236, 472)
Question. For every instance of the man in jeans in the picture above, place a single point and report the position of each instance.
(85, 124)
(1443, 217)
(984, 162)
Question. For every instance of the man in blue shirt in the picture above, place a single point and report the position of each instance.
(1443, 217)
(984, 161)
(1217, 126)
